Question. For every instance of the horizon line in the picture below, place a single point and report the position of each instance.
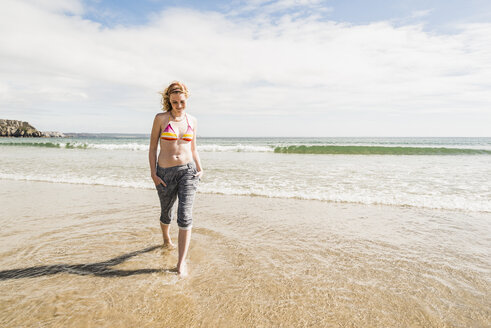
(298, 137)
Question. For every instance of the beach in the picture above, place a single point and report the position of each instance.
(83, 255)
(336, 155)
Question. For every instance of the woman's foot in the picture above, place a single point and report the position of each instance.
(168, 244)
(182, 269)
(166, 236)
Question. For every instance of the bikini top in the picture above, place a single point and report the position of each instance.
(170, 134)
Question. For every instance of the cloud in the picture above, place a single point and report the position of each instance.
(267, 9)
(235, 65)
(421, 13)
(74, 7)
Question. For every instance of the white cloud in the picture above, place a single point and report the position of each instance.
(74, 7)
(235, 66)
(267, 10)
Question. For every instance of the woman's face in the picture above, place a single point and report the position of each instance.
(178, 101)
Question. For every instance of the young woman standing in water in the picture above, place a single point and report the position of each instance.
(177, 169)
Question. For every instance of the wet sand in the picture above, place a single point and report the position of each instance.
(90, 256)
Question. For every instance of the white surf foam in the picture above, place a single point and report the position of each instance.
(447, 202)
(234, 148)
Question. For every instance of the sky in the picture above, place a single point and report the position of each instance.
(275, 68)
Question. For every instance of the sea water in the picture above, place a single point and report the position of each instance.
(440, 173)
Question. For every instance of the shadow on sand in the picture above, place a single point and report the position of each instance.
(100, 269)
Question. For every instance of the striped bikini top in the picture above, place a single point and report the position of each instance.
(170, 134)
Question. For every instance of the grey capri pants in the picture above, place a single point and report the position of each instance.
(182, 183)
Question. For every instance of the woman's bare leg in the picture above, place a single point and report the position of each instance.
(183, 245)
(165, 234)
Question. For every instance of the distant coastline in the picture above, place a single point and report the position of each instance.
(21, 129)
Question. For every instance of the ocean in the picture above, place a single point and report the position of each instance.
(438, 173)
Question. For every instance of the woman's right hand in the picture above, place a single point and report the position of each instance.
(158, 180)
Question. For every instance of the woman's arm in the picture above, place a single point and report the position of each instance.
(152, 151)
(194, 149)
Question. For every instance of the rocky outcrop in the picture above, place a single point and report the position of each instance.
(14, 128)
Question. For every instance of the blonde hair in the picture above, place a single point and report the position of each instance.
(174, 87)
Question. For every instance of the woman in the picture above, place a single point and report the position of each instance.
(177, 171)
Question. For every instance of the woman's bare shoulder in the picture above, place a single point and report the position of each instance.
(161, 116)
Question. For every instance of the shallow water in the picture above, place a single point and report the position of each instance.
(253, 261)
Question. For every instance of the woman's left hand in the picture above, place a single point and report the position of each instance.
(199, 174)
